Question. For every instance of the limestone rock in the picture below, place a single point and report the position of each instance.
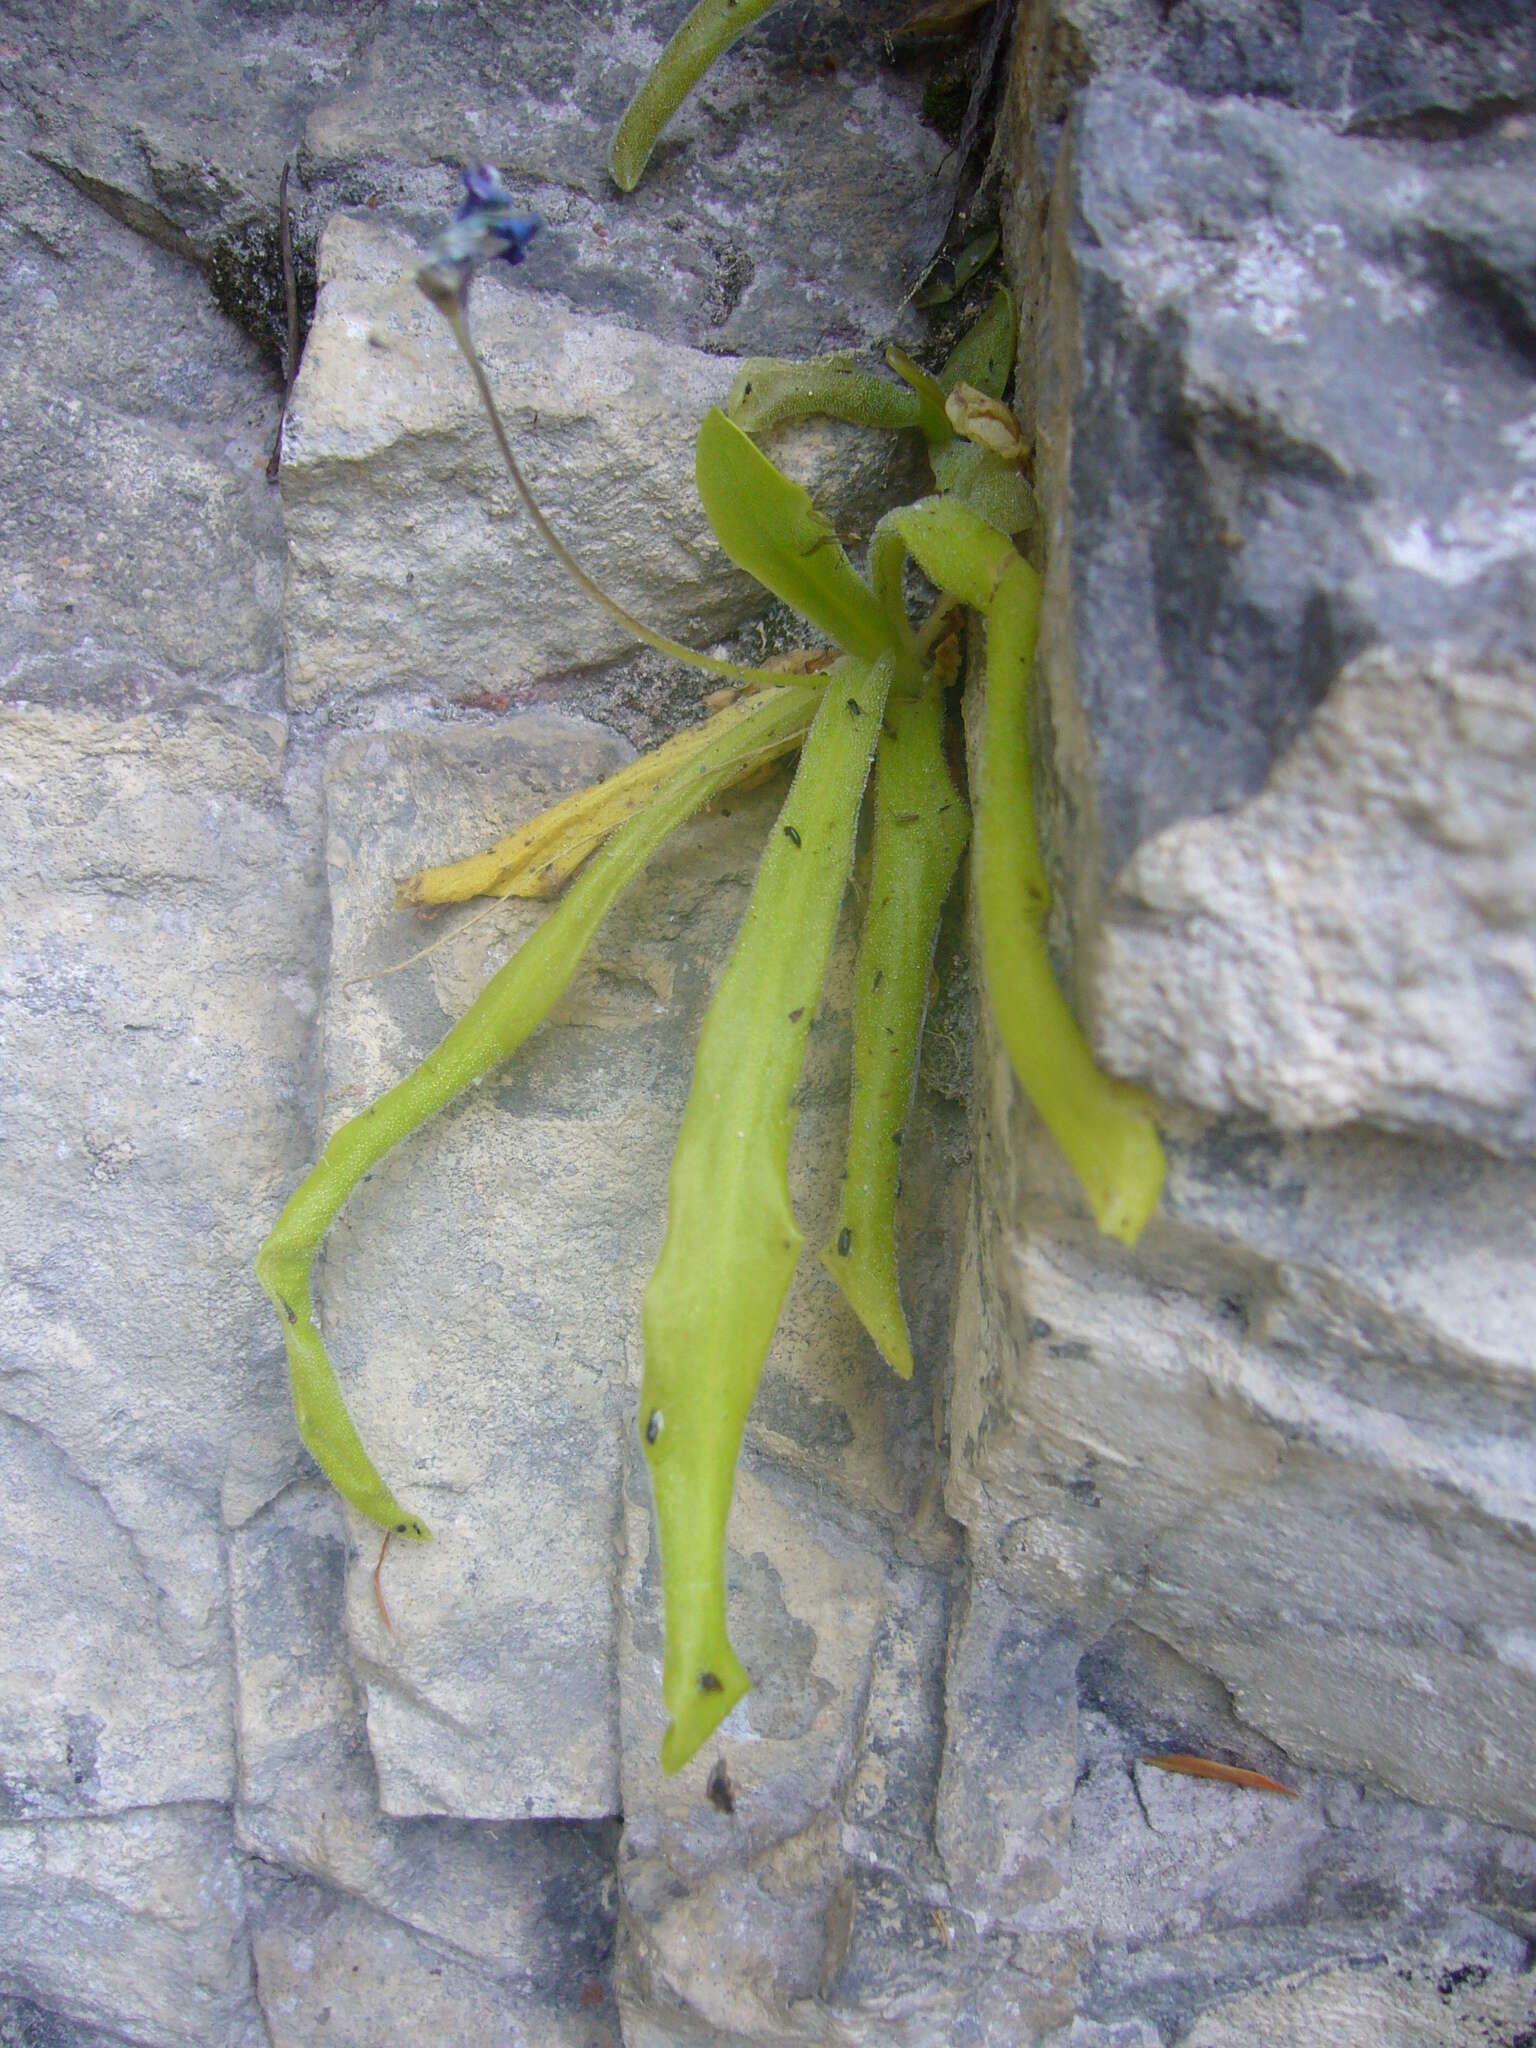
(452, 592)
(143, 556)
(466, 1919)
(1317, 914)
(1283, 399)
(1358, 942)
(488, 1375)
(330, 1969)
(779, 214)
(1305, 1466)
(133, 1926)
(157, 996)
(1010, 1752)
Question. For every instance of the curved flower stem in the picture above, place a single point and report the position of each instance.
(510, 1007)
(708, 664)
(710, 30)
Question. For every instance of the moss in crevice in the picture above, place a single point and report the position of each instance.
(946, 96)
(245, 274)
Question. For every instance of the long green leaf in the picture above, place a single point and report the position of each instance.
(921, 827)
(510, 1006)
(711, 28)
(1102, 1125)
(732, 1241)
(769, 527)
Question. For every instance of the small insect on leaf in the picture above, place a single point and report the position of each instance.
(1223, 1774)
(720, 1792)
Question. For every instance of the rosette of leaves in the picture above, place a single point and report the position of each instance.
(866, 714)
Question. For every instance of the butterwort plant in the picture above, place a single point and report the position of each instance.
(866, 714)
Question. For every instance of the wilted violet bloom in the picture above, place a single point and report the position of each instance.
(485, 229)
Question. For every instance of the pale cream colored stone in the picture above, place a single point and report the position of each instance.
(411, 561)
(1357, 942)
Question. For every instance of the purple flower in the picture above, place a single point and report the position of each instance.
(486, 229)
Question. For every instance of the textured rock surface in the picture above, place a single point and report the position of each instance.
(1272, 1473)
(489, 1933)
(143, 553)
(1248, 318)
(158, 1005)
(755, 236)
(1262, 1491)
(135, 1926)
(411, 562)
(489, 1374)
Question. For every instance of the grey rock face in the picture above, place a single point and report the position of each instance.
(1261, 1491)
(1306, 1466)
(1283, 384)
(1295, 467)
(143, 554)
(132, 1927)
(1260, 310)
(493, 1371)
(492, 1933)
(753, 235)
(155, 988)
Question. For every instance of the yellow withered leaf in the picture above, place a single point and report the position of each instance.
(539, 858)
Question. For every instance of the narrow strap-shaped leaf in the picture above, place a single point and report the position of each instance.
(1101, 1125)
(710, 29)
(921, 827)
(769, 527)
(937, 431)
(732, 1242)
(511, 1005)
(983, 355)
(540, 857)
(768, 393)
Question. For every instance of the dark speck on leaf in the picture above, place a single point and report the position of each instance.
(844, 1243)
(796, 1015)
(791, 835)
(855, 707)
(879, 977)
(709, 1683)
(290, 1312)
(653, 1426)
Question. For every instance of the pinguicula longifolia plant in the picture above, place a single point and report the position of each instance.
(876, 697)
